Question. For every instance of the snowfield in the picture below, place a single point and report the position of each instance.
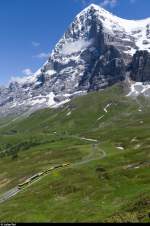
(139, 88)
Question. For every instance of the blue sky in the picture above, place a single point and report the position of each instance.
(29, 29)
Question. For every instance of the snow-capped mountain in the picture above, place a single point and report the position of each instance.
(98, 50)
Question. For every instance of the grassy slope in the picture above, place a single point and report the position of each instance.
(101, 190)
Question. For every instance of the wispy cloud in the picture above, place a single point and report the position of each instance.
(103, 3)
(27, 75)
(35, 44)
(86, 2)
(18, 79)
(110, 3)
(27, 72)
(74, 47)
(42, 55)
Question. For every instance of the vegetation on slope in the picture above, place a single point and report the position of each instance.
(112, 189)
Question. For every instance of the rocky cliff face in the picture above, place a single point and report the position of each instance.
(140, 67)
(93, 53)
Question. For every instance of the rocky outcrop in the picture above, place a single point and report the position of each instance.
(140, 67)
(109, 69)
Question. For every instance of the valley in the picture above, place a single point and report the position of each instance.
(116, 180)
(75, 134)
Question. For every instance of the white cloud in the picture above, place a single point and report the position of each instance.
(18, 79)
(42, 55)
(74, 47)
(103, 3)
(28, 75)
(87, 2)
(111, 3)
(27, 72)
(35, 44)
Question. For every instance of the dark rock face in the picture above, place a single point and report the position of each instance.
(109, 69)
(140, 67)
(105, 70)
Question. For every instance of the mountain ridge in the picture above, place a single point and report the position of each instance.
(92, 54)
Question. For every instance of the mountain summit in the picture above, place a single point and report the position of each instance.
(97, 50)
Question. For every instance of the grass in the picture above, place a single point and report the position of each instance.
(113, 189)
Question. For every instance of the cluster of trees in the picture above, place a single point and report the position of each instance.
(12, 150)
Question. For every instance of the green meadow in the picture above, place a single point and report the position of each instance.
(109, 183)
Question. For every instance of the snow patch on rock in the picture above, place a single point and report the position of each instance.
(69, 113)
(139, 88)
(106, 108)
(120, 148)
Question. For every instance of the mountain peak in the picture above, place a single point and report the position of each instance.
(94, 7)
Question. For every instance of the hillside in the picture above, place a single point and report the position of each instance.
(105, 138)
